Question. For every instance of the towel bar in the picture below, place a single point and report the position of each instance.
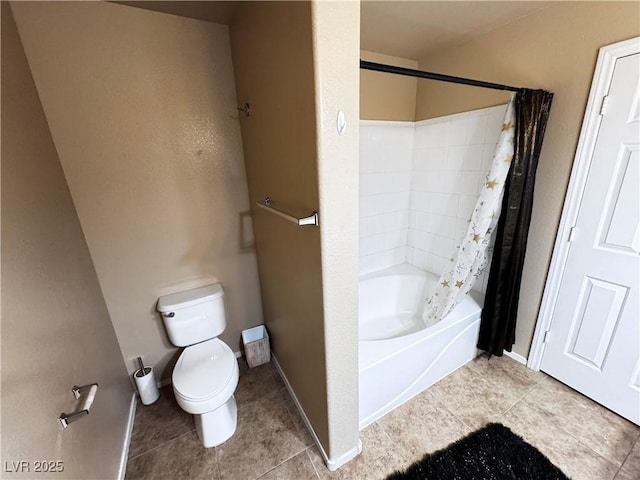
(310, 220)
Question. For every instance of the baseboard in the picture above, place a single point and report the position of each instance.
(332, 464)
(516, 356)
(336, 463)
(127, 439)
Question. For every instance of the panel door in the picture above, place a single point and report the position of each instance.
(593, 342)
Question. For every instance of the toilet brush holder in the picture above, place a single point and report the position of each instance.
(146, 385)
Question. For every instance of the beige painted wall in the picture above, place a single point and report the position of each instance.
(294, 77)
(554, 49)
(336, 43)
(142, 109)
(56, 330)
(384, 96)
(273, 61)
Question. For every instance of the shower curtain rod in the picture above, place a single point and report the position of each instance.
(379, 67)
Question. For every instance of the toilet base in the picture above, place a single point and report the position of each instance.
(219, 425)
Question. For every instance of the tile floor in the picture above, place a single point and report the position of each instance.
(271, 443)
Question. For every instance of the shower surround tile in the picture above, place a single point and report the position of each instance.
(448, 173)
(386, 157)
(419, 183)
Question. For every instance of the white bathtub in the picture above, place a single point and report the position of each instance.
(398, 356)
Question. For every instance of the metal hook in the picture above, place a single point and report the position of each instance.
(246, 109)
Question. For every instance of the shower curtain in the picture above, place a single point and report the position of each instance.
(498, 322)
(457, 280)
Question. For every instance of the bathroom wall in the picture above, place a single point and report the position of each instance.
(384, 96)
(142, 109)
(303, 57)
(451, 157)
(336, 39)
(555, 49)
(56, 330)
(273, 42)
(386, 150)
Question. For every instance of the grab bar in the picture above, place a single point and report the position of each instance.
(310, 220)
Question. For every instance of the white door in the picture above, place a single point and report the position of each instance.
(593, 343)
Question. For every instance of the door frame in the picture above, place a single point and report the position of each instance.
(588, 135)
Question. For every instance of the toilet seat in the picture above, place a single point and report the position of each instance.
(205, 376)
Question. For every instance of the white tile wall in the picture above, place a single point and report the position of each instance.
(451, 158)
(418, 186)
(386, 156)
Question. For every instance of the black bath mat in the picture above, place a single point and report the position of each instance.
(491, 453)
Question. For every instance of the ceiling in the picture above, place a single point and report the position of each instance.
(216, 12)
(410, 29)
(414, 29)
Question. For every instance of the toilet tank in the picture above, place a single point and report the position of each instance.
(194, 315)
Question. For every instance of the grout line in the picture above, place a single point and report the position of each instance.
(612, 462)
(276, 389)
(531, 389)
(259, 399)
(281, 463)
(627, 456)
(381, 427)
(313, 465)
(217, 455)
(442, 404)
(160, 445)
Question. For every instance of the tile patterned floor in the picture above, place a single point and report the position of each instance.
(584, 439)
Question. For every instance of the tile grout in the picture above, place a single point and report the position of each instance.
(160, 445)
(283, 462)
(313, 465)
(521, 390)
(621, 469)
(471, 429)
(394, 443)
(247, 404)
(637, 442)
(612, 462)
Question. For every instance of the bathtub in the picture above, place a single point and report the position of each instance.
(398, 356)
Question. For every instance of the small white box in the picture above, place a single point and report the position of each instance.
(256, 346)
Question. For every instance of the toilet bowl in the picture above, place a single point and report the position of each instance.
(206, 373)
(204, 379)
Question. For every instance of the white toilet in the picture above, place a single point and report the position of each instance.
(206, 374)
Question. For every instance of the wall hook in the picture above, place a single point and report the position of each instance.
(246, 109)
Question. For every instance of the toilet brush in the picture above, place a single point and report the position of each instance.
(146, 384)
(142, 371)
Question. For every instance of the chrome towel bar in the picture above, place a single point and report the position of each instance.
(310, 220)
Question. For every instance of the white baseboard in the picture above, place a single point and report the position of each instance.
(336, 463)
(516, 356)
(127, 439)
(332, 464)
